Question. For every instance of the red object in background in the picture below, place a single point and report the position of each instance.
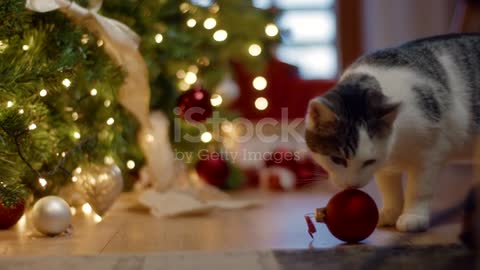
(350, 215)
(285, 89)
(195, 105)
(9, 216)
(214, 170)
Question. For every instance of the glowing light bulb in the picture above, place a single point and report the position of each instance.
(216, 100)
(25, 47)
(42, 181)
(9, 104)
(99, 43)
(191, 23)
(21, 111)
(210, 23)
(220, 35)
(107, 103)
(182, 85)
(206, 137)
(259, 83)
(74, 179)
(75, 116)
(254, 50)
(158, 38)
(63, 154)
(84, 39)
(110, 121)
(97, 218)
(66, 82)
(43, 92)
(193, 69)
(181, 74)
(190, 77)
(78, 170)
(184, 7)
(73, 211)
(32, 126)
(131, 164)
(271, 30)
(261, 103)
(93, 92)
(150, 138)
(86, 209)
(108, 160)
(77, 135)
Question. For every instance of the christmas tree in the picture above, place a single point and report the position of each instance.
(59, 106)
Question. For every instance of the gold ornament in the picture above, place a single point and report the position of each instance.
(51, 215)
(100, 185)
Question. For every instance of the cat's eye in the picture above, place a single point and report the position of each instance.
(369, 162)
(339, 161)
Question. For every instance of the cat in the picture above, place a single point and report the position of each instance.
(402, 110)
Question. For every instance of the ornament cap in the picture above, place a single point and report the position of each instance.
(320, 214)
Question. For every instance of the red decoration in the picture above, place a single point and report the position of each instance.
(195, 105)
(213, 169)
(9, 216)
(350, 215)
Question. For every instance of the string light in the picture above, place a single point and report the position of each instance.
(220, 35)
(93, 92)
(180, 74)
(184, 7)
(261, 103)
(216, 100)
(271, 30)
(182, 85)
(43, 92)
(131, 164)
(25, 47)
(9, 104)
(63, 154)
(193, 69)
(42, 181)
(215, 8)
(3, 46)
(254, 50)
(66, 82)
(32, 126)
(158, 38)
(191, 23)
(190, 77)
(150, 138)
(110, 121)
(73, 211)
(259, 83)
(74, 179)
(107, 103)
(97, 218)
(21, 111)
(99, 43)
(108, 160)
(75, 116)
(206, 137)
(78, 170)
(86, 209)
(84, 39)
(210, 23)
(76, 135)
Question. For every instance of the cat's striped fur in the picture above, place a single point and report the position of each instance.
(403, 110)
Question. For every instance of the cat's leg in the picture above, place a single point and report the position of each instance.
(418, 196)
(390, 186)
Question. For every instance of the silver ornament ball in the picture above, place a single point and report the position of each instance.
(51, 215)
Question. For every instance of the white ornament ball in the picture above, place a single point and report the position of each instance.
(51, 215)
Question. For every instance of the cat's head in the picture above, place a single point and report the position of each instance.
(348, 131)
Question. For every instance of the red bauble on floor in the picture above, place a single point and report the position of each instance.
(9, 216)
(214, 170)
(350, 215)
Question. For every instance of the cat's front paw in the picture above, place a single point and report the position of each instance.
(388, 217)
(413, 223)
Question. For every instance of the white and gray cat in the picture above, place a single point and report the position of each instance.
(403, 110)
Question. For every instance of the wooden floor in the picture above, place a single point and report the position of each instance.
(277, 224)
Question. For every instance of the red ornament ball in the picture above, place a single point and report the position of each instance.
(214, 170)
(194, 105)
(9, 216)
(350, 215)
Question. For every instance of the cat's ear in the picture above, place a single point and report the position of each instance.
(389, 113)
(320, 117)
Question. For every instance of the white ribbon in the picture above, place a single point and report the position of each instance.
(121, 44)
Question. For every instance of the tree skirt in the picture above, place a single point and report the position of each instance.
(343, 257)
